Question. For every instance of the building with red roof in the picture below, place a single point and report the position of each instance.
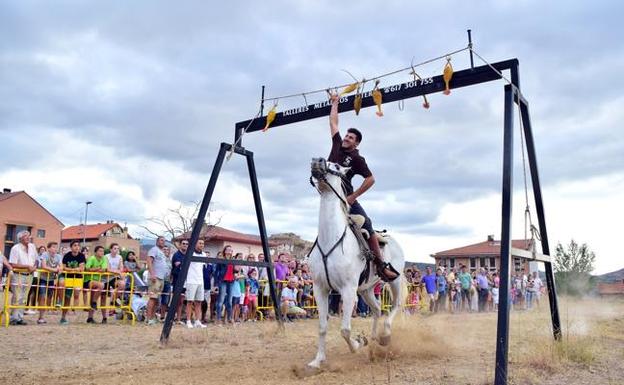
(216, 238)
(611, 288)
(19, 211)
(483, 254)
(102, 234)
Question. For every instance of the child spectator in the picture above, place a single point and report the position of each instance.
(194, 286)
(207, 275)
(441, 287)
(237, 291)
(252, 293)
(97, 264)
(73, 261)
(466, 283)
(413, 299)
(49, 261)
(495, 295)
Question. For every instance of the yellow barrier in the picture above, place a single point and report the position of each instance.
(51, 294)
(416, 300)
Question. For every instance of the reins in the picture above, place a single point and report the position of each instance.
(345, 206)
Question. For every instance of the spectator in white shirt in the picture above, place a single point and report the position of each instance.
(194, 286)
(23, 257)
(537, 281)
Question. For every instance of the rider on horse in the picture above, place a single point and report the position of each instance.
(345, 153)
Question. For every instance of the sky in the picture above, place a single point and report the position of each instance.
(125, 103)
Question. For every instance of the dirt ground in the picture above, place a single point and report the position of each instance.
(426, 349)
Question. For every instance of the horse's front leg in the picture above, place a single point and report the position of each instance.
(322, 302)
(348, 302)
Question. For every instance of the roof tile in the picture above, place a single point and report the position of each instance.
(487, 248)
(88, 231)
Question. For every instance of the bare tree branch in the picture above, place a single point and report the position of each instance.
(177, 221)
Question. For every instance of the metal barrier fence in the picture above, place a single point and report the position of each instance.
(416, 299)
(52, 294)
(55, 292)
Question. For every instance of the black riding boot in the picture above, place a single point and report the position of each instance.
(384, 269)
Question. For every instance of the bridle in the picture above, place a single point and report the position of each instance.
(319, 172)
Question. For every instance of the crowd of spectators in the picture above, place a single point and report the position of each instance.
(224, 293)
(43, 275)
(462, 291)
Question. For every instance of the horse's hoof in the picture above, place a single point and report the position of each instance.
(306, 371)
(384, 340)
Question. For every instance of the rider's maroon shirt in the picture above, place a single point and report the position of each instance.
(351, 159)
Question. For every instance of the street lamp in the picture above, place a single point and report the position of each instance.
(84, 232)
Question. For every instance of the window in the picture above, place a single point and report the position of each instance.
(482, 262)
(12, 230)
(492, 264)
(10, 233)
(41, 233)
(473, 264)
(452, 262)
(517, 264)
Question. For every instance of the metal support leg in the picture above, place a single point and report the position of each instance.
(502, 329)
(539, 206)
(263, 234)
(177, 290)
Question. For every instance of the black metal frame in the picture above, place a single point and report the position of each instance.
(464, 78)
(195, 234)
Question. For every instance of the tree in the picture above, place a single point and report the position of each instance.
(573, 266)
(176, 221)
(575, 259)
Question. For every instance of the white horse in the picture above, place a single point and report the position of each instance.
(344, 263)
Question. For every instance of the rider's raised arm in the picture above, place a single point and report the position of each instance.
(333, 114)
(366, 184)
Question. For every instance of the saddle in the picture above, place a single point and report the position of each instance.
(358, 222)
(361, 234)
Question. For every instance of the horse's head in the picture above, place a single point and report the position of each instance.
(327, 176)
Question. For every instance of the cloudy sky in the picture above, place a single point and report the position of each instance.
(125, 105)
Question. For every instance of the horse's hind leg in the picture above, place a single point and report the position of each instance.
(369, 297)
(396, 287)
(322, 303)
(348, 302)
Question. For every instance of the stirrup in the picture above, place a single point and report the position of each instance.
(381, 273)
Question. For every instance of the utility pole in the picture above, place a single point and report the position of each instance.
(84, 228)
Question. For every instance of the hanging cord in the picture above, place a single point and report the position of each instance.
(235, 144)
(377, 77)
(499, 73)
(527, 211)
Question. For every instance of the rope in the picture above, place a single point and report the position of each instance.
(499, 73)
(235, 144)
(527, 211)
(410, 67)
